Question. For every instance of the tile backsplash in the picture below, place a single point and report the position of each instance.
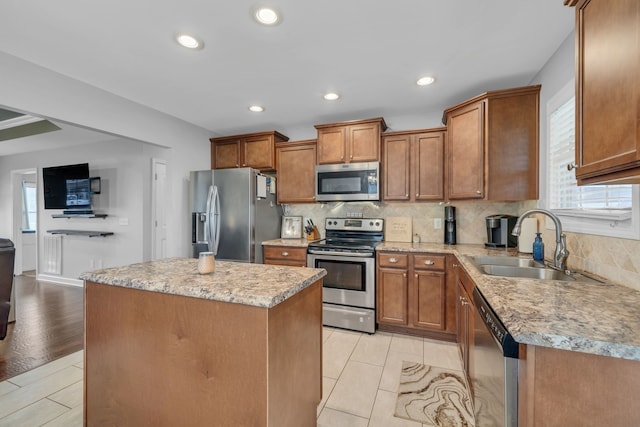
(612, 258)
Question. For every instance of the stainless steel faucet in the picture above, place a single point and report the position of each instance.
(561, 254)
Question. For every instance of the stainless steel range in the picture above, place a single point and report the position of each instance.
(348, 255)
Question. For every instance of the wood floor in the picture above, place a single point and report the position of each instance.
(49, 325)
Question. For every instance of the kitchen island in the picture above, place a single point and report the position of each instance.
(165, 346)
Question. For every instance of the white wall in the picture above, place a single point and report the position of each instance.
(124, 167)
(31, 88)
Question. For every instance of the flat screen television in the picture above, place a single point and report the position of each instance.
(67, 187)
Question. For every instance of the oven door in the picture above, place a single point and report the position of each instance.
(349, 280)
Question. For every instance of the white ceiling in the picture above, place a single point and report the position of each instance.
(371, 52)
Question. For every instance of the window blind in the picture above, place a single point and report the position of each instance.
(564, 191)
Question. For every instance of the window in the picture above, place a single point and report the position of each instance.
(29, 206)
(594, 209)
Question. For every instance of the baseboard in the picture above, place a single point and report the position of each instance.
(60, 280)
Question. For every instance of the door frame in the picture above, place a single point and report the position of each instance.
(16, 215)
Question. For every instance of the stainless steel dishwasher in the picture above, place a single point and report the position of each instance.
(494, 369)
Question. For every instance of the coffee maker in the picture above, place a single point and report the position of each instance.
(450, 225)
(499, 229)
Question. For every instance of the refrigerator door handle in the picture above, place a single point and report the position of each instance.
(215, 222)
(207, 219)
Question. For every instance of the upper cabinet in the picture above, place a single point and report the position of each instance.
(295, 162)
(492, 146)
(607, 91)
(255, 150)
(350, 142)
(413, 165)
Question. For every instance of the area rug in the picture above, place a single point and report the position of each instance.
(434, 396)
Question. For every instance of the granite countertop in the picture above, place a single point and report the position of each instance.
(299, 243)
(596, 318)
(258, 285)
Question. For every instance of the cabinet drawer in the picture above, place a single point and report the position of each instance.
(285, 253)
(393, 260)
(429, 262)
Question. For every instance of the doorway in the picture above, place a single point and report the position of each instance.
(25, 220)
(158, 209)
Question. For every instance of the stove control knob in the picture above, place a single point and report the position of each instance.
(371, 223)
(377, 223)
(335, 222)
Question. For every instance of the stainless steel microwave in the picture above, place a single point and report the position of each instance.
(348, 182)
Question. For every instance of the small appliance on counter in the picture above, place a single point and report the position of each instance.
(450, 225)
(499, 229)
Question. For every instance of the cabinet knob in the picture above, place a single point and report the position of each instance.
(478, 192)
(571, 166)
(237, 165)
(416, 275)
(406, 195)
(429, 262)
(244, 164)
(455, 265)
(393, 260)
(417, 194)
(404, 274)
(341, 158)
(285, 253)
(351, 157)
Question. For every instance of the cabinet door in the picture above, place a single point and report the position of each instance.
(258, 153)
(364, 142)
(428, 166)
(462, 314)
(608, 95)
(392, 296)
(465, 158)
(226, 154)
(296, 173)
(395, 167)
(331, 145)
(428, 294)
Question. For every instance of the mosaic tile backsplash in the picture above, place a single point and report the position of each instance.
(615, 259)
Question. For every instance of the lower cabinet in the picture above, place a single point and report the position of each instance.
(412, 294)
(465, 320)
(285, 255)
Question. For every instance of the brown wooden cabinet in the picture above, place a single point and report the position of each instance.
(492, 146)
(607, 91)
(465, 319)
(350, 142)
(294, 256)
(413, 165)
(412, 294)
(295, 163)
(256, 150)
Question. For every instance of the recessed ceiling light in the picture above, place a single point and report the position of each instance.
(425, 81)
(189, 41)
(331, 96)
(266, 15)
(256, 109)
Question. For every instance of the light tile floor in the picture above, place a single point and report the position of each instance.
(361, 374)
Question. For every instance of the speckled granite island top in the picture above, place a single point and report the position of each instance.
(596, 318)
(242, 283)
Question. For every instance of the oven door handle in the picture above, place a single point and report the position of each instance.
(347, 254)
(342, 310)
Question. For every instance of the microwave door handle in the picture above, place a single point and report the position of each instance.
(216, 222)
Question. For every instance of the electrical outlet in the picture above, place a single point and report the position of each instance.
(437, 223)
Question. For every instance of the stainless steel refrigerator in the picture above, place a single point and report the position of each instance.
(232, 213)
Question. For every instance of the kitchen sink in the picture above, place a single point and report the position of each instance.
(525, 272)
(526, 268)
(507, 261)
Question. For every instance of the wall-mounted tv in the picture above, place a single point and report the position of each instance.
(67, 187)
